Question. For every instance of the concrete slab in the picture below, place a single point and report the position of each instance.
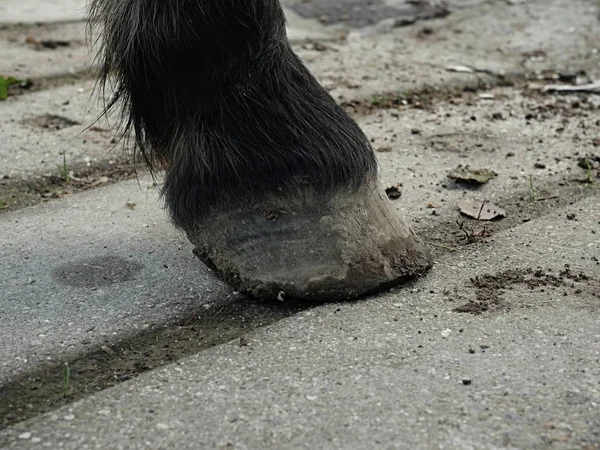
(417, 148)
(81, 270)
(49, 49)
(403, 370)
(102, 281)
(495, 38)
(499, 38)
(528, 139)
(32, 11)
(116, 274)
(357, 13)
(39, 127)
(44, 50)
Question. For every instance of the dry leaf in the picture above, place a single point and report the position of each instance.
(481, 210)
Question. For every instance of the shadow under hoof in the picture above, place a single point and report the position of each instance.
(311, 247)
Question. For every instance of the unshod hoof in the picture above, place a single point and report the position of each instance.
(311, 246)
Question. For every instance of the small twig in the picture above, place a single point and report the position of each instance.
(447, 247)
(541, 199)
(468, 234)
(481, 209)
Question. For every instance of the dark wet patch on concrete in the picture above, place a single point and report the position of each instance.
(50, 121)
(361, 13)
(96, 272)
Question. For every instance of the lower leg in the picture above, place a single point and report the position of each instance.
(273, 182)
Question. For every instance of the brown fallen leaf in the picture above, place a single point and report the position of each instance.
(481, 210)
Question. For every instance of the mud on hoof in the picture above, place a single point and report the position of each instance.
(311, 246)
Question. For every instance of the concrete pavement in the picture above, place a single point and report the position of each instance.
(498, 347)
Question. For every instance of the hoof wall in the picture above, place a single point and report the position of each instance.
(311, 247)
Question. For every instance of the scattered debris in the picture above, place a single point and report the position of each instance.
(590, 88)
(424, 10)
(468, 69)
(490, 289)
(386, 149)
(467, 381)
(394, 192)
(472, 176)
(471, 234)
(50, 44)
(481, 210)
(99, 181)
(460, 69)
(130, 205)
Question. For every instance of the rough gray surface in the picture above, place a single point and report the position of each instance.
(87, 274)
(38, 128)
(522, 136)
(39, 49)
(30, 11)
(398, 371)
(495, 38)
(78, 272)
(44, 50)
(446, 138)
(359, 13)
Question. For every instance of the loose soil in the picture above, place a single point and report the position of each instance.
(490, 289)
(19, 193)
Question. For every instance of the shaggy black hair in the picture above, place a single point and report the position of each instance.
(217, 98)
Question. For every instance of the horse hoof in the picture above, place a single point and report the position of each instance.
(310, 246)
